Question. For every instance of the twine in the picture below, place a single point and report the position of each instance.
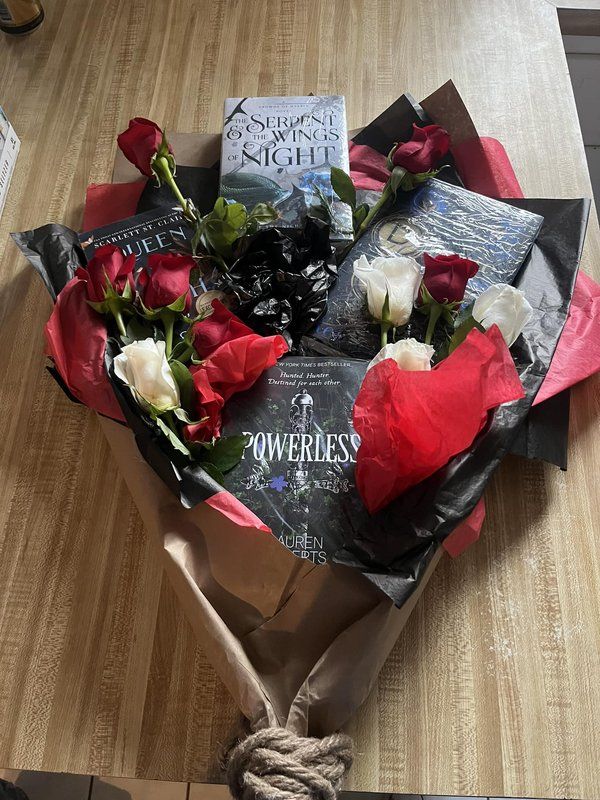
(275, 764)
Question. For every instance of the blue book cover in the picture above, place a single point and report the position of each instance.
(437, 217)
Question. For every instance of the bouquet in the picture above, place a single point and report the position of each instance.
(191, 351)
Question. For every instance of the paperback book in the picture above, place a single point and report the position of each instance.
(9, 150)
(280, 150)
(161, 230)
(297, 473)
(437, 217)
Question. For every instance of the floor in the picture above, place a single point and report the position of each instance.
(61, 786)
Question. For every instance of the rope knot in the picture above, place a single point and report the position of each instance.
(275, 764)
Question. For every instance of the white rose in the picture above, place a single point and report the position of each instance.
(398, 276)
(409, 354)
(143, 366)
(504, 306)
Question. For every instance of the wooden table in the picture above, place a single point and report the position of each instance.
(493, 687)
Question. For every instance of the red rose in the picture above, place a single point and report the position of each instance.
(222, 326)
(165, 279)
(108, 264)
(208, 410)
(424, 151)
(140, 143)
(75, 340)
(446, 277)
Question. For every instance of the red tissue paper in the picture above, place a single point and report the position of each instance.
(76, 341)
(577, 355)
(235, 357)
(412, 423)
(368, 168)
(106, 203)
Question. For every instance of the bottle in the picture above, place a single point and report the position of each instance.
(18, 17)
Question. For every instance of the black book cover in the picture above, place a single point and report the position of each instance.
(160, 230)
(436, 217)
(297, 473)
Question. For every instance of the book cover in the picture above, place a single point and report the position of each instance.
(280, 150)
(297, 473)
(9, 150)
(437, 217)
(161, 230)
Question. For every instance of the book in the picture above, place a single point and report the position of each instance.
(297, 473)
(9, 150)
(280, 150)
(436, 217)
(160, 230)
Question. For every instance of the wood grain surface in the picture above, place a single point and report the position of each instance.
(493, 687)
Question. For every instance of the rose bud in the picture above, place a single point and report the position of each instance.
(504, 306)
(209, 405)
(425, 150)
(143, 366)
(108, 268)
(397, 279)
(165, 280)
(141, 142)
(446, 277)
(409, 354)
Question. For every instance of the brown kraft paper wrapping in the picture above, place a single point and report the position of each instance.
(258, 610)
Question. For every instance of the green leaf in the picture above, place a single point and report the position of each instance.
(385, 310)
(183, 416)
(360, 214)
(214, 472)
(396, 178)
(227, 452)
(101, 308)
(263, 213)
(185, 382)
(178, 350)
(236, 216)
(172, 436)
(461, 333)
(127, 291)
(197, 237)
(163, 148)
(343, 186)
(148, 313)
(179, 304)
(389, 163)
(220, 208)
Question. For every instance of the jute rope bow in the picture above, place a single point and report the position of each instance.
(275, 764)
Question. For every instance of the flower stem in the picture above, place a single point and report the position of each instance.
(385, 326)
(167, 321)
(385, 196)
(116, 312)
(162, 167)
(434, 314)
